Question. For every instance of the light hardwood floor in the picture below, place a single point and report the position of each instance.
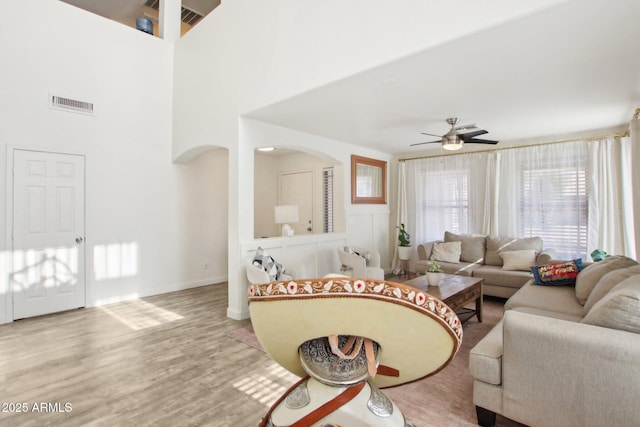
(162, 361)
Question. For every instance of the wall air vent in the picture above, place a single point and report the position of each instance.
(188, 16)
(154, 4)
(68, 104)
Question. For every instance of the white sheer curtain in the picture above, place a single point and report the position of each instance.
(634, 130)
(611, 197)
(448, 193)
(402, 215)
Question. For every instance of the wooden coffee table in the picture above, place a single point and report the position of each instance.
(455, 291)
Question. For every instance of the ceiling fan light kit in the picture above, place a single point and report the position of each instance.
(458, 136)
(452, 142)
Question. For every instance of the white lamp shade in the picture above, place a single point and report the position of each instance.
(452, 142)
(286, 214)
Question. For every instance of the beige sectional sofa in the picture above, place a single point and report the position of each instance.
(484, 256)
(563, 355)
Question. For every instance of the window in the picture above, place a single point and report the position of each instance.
(576, 195)
(327, 200)
(554, 206)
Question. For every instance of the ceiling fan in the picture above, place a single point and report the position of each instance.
(458, 136)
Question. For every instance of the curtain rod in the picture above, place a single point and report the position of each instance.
(593, 138)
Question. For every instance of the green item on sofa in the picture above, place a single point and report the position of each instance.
(599, 255)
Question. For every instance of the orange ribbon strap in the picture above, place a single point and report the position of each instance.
(332, 405)
(351, 349)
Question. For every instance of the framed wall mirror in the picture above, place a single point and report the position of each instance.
(368, 180)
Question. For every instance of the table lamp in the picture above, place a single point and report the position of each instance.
(286, 214)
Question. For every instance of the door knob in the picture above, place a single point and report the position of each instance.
(79, 240)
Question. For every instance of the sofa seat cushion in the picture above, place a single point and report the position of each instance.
(485, 358)
(496, 244)
(557, 299)
(591, 275)
(551, 314)
(495, 275)
(620, 308)
(473, 246)
(461, 268)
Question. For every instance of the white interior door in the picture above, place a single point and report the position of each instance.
(296, 188)
(48, 233)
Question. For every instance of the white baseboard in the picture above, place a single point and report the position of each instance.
(237, 315)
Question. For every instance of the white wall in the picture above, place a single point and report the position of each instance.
(134, 194)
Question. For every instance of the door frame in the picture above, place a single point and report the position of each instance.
(9, 221)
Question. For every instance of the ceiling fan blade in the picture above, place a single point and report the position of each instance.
(480, 141)
(465, 127)
(467, 136)
(430, 142)
(431, 134)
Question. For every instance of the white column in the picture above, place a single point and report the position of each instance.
(241, 200)
(170, 20)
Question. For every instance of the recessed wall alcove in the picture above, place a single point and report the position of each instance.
(314, 183)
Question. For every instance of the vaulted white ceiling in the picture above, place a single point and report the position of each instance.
(573, 67)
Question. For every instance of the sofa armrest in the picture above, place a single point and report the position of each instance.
(550, 365)
(424, 250)
(374, 256)
(546, 256)
(353, 261)
(295, 270)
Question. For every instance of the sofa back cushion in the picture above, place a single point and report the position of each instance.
(446, 252)
(620, 308)
(496, 244)
(518, 260)
(591, 275)
(472, 246)
(608, 282)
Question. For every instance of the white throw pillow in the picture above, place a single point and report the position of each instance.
(446, 252)
(518, 260)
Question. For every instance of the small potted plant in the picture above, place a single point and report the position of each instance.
(434, 273)
(404, 243)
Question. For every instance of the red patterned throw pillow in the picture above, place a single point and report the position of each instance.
(557, 274)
